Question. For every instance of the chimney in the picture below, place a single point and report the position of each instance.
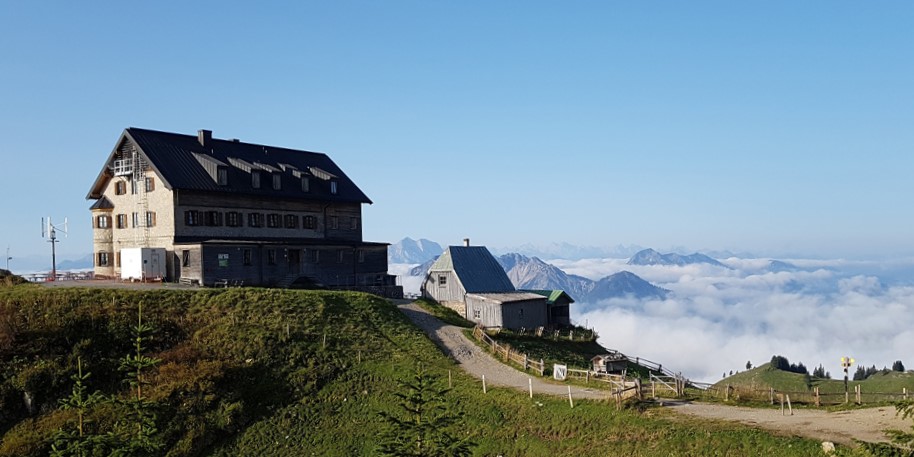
(466, 242)
(205, 137)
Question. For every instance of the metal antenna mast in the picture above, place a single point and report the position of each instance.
(50, 231)
(8, 258)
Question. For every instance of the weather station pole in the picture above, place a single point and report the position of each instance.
(846, 363)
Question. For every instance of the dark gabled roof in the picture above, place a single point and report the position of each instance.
(181, 162)
(102, 203)
(476, 268)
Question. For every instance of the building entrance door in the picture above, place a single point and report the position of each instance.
(294, 261)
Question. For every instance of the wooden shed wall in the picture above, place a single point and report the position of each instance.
(527, 313)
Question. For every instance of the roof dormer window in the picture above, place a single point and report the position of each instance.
(333, 187)
(277, 181)
(222, 176)
(255, 179)
(305, 184)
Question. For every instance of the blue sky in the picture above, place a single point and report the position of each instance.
(770, 127)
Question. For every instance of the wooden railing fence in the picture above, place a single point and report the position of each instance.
(812, 396)
(509, 354)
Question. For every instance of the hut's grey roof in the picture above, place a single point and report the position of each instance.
(476, 268)
(509, 297)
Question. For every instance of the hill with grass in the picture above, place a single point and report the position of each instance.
(275, 373)
(881, 387)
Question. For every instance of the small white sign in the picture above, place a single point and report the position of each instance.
(559, 372)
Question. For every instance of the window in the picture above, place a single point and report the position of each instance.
(150, 184)
(255, 179)
(315, 256)
(120, 188)
(361, 256)
(191, 217)
(117, 260)
(271, 256)
(333, 187)
(291, 221)
(305, 184)
(103, 221)
(354, 223)
(233, 219)
(255, 220)
(136, 219)
(273, 220)
(213, 218)
(246, 257)
(477, 314)
(310, 222)
(339, 256)
(133, 186)
(102, 259)
(277, 181)
(334, 222)
(150, 219)
(121, 221)
(520, 312)
(222, 176)
(185, 258)
(442, 280)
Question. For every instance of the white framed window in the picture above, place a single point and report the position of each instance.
(277, 181)
(442, 280)
(255, 179)
(477, 314)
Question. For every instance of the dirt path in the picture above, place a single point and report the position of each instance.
(840, 427)
(477, 362)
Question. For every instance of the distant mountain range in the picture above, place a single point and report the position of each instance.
(409, 250)
(652, 257)
(563, 250)
(533, 273)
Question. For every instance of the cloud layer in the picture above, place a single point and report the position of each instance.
(718, 319)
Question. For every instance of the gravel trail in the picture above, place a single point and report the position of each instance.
(477, 362)
(841, 426)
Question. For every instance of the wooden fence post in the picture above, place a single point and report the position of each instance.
(525, 362)
(788, 405)
(781, 397)
(727, 394)
(483, 383)
(530, 383)
(859, 394)
(570, 401)
(653, 388)
(771, 395)
(449, 384)
(638, 389)
(904, 390)
(818, 402)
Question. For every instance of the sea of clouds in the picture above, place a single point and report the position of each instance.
(717, 319)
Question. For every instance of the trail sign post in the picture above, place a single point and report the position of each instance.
(846, 363)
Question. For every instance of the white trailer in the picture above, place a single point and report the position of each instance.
(143, 264)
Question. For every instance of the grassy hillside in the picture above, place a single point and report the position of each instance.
(880, 387)
(267, 372)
